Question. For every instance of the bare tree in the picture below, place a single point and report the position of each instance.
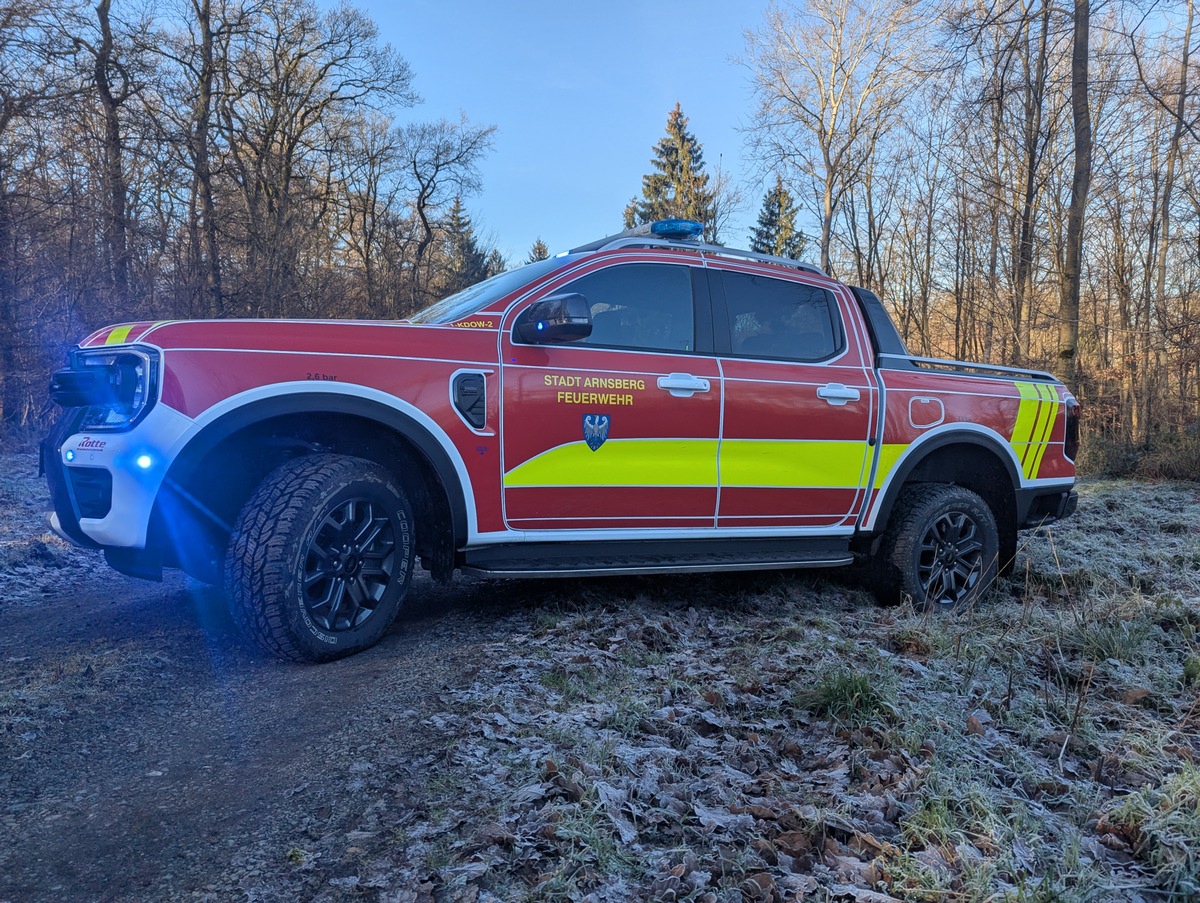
(33, 80)
(830, 79)
(440, 160)
(297, 80)
(373, 188)
(1068, 311)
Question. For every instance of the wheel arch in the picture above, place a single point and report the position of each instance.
(975, 460)
(224, 460)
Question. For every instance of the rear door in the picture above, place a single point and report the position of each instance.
(800, 402)
(617, 431)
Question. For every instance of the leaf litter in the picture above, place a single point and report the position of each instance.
(778, 737)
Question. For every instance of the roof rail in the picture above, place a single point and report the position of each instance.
(626, 240)
(764, 258)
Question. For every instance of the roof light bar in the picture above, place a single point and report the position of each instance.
(676, 228)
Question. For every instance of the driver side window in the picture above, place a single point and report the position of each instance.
(641, 306)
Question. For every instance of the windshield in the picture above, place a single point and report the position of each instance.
(481, 294)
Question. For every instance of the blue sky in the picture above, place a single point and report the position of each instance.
(579, 93)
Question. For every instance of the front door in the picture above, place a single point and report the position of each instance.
(617, 431)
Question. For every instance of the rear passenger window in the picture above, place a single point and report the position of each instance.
(774, 318)
(643, 306)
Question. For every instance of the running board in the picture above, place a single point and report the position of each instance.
(598, 559)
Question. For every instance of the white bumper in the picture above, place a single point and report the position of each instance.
(138, 460)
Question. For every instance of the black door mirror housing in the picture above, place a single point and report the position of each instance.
(555, 320)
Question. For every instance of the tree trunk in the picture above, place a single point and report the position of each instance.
(1068, 311)
(1034, 102)
(201, 140)
(117, 219)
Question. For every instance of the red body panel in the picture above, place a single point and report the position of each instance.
(753, 446)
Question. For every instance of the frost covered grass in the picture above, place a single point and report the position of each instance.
(32, 559)
(771, 737)
(768, 737)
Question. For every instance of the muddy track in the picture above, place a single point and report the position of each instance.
(152, 756)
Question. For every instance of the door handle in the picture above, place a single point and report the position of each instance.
(837, 394)
(683, 385)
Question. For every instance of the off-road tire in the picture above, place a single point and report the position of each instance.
(320, 559)
(940, 550)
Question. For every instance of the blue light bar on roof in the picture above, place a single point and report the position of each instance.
(676, 228)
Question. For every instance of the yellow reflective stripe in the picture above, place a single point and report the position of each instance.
(621, 462)
(1026, 414)
(1035, 421)
(1051, 406)
(779, 464)
(889, 454)
(767, 463)
(119, 335)
(1027, 423)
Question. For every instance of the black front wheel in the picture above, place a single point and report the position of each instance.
(941, 549)
(320, 560)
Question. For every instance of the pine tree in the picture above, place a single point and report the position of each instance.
(679, 185)
(539, 251)
(466, 262)
(776, 232)
(496, 263)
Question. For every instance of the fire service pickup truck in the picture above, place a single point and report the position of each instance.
(643, 404)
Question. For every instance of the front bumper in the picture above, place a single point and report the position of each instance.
(103, 484)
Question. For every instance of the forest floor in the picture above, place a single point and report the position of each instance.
(752, 738)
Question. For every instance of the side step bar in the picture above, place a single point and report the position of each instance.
(598, 559)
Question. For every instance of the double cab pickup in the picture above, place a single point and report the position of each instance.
(646, 403)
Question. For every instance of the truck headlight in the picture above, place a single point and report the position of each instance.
(115, 387)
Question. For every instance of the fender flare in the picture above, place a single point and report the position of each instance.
(226, 424)
(917, 453)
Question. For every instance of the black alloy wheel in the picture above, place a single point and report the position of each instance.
(321, 557)
(950, 558)
(349, 565)
(940, 550)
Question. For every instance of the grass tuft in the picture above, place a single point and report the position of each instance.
(1162, 826)
(849, 696)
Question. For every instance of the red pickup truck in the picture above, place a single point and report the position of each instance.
(642, 404)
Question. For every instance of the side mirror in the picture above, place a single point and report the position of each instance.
(555, 320)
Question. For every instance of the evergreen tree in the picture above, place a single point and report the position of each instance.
(539, 251)
(496, 263)
(679, 185)
(466, 262)
(776, 232)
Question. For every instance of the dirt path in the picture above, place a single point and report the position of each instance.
(151, 756)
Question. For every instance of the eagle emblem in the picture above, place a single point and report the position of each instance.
(595, 429)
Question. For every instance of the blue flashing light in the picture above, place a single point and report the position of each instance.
(541, 325)
(70, 455)
(143, 461)
(677, 228)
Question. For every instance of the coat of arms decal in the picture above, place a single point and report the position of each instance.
(595, 429)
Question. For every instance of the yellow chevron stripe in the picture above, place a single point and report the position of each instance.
(1043, 439)
(119, 335)
(1026, 413)
(1027, 421)
(1035, 421)
(1031, 448)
